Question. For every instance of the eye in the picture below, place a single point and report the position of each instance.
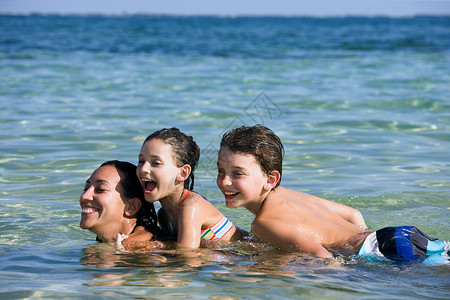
(156, 163)
(237, 174)
(100, 189)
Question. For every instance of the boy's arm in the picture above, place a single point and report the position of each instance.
(346, 212)
(286, 237)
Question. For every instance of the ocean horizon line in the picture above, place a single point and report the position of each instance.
(226, 16)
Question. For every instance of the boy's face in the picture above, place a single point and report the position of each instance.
(240, 178)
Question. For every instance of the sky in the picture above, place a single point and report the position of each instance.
(231, 7)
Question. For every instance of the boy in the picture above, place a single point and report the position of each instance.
(249, 173)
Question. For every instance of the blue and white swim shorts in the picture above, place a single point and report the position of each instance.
(405, 243)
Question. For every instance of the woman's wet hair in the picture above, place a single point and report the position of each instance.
(131, 188)
(184, 150)
(258, 141)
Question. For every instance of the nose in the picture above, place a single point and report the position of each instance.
(144, 168)
(223, 180)
(87, 194)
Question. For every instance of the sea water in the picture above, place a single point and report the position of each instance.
(361, 104)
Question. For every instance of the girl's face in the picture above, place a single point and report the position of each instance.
(157, 170)
(240, 179)
(102, 206)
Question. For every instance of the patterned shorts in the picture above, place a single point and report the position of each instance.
(405, 243)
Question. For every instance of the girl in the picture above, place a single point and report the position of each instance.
(113, 205)
(167, 161)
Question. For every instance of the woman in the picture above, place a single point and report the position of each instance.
(113, 205)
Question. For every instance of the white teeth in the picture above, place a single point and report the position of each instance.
(88, 210)
(230, 194)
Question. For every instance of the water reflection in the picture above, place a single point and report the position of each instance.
(229, 263)
(248, 269)
(106, 256)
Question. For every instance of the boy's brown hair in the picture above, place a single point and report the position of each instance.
(258, 141)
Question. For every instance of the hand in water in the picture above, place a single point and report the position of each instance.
(119, 239)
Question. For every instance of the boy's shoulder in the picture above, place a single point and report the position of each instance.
(272, 208)
(274, 227)
(278, 199)
(294, 196)
(285, 205)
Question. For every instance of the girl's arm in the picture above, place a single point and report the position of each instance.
(139, 235)
(141, 240)
(190, 220)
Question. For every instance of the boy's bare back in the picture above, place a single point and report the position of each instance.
(301, 222)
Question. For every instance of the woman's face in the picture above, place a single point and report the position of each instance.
(102, 206)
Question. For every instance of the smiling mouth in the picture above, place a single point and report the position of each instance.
(149, 186)
(88, 210)
(229, 196)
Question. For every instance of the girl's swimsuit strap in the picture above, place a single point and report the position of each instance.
(182, 199)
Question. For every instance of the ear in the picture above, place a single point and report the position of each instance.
(132, 206)
(272, 179)
(184, 172)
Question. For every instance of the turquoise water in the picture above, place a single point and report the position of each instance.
(361, 105)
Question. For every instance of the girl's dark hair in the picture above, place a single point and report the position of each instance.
(131, 188)
(258, 141)
(184, 150)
